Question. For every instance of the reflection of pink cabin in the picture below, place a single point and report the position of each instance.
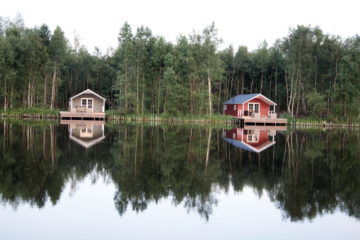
(87, 134)
(250, 105)
(253, 140)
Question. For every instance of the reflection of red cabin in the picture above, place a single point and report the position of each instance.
(253, 140)
(252, 105)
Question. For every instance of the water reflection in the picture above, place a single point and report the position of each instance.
(305, 174)
(252, 138)
(85, 133)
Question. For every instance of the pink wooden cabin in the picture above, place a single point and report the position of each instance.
(250, 105)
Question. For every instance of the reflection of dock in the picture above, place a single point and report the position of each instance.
(258, 127)
(252, 138)
(85, 133)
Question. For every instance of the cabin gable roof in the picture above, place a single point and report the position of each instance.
(248, 147)
(243, 98)
(88, 91)
(86, 144)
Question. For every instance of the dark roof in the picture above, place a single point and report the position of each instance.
(239, 144)
(243, 98)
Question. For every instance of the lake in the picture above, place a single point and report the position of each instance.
(147, 181)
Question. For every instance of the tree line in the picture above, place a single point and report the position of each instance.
(308, 72)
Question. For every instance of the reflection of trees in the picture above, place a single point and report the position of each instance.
(36, 161)
(322, 173)
(305, 173)
(171, 162)
(26, 174)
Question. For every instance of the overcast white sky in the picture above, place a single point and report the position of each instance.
(238, 22)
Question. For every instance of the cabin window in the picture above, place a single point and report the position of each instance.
(87, 102)
(272, 108)
(252, 138)
(86, 132)
(225, 107)
(238, 131)
(234, 107)
(254, 107)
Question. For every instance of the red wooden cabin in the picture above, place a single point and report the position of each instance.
(250, 105)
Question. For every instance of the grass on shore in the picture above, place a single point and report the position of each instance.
(316, 121)
(34, 111)
(112, 114)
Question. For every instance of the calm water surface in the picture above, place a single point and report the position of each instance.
(85, 181)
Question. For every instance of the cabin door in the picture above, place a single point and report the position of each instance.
(88, 103)
(254, 107)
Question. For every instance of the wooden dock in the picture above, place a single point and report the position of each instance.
(244, 121)
(82, 116)
(82, 122)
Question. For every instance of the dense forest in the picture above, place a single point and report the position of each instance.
(307, 72)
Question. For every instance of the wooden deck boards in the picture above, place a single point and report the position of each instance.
(262, 121)
(265, 120)
(82, 122)
(79, 115)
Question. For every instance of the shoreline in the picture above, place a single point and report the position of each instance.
(46, 114)
(326, 125)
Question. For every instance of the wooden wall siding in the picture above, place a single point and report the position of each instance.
(263, 137)
(234, 134)
(97, 132)
(98, 102)
(230, 109)
(264, 107)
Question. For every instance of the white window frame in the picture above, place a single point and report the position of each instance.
(239, 131)
(273, 111)
(87, 103)
(87, 131)
(252, 138)
(234, 107)
(253, 104)
(81, 102)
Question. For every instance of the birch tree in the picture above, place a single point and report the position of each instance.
(57, 50)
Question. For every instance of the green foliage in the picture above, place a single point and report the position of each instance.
(307, 72)
(30, 111)
(316, 103)
(57, 45)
